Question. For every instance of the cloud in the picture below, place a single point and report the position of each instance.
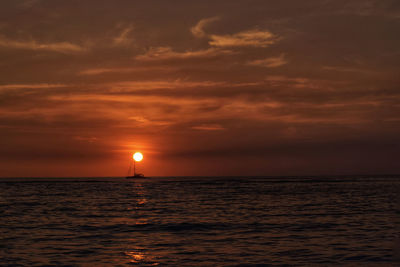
(270, 62)
(61, 47)
(208, 127)
(198, 29)
(166, 53)
(144, 122)
(123, 38)
(173, 84)
(98, 71)
(255, 38)
(348, 69)
(91, 139)
(123, 70)
(31, 86)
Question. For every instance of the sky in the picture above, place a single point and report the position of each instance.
(199, 87)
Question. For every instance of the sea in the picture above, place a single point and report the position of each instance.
(200, 221)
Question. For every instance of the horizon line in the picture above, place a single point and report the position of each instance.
(203, 176)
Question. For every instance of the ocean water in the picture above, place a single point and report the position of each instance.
(192, 221)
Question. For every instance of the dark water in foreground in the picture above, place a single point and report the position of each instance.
(200, 221)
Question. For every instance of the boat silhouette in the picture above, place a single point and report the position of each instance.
(135, 175)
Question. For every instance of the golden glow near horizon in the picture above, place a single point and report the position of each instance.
(137, 156)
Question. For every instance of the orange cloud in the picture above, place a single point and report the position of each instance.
(165, 53)
(61, 47)
(31, 86)
(255, 38)
(198, 29)
(270, 62)
(209, 127)
(173, 84)
(123, 38)
(98, 71)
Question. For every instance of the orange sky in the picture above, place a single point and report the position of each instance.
(200, 87)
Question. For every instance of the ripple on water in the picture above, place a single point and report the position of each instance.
(199, 222)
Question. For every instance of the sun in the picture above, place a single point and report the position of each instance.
(138, 156)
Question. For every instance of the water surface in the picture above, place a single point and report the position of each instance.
(192, 221)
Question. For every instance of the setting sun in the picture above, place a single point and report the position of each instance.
(138, 156)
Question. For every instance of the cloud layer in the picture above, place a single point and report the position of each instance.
(198, 85)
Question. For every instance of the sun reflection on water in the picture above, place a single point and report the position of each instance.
(141, 194)
(137, 257)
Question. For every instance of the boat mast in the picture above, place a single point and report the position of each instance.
(130, 168)
(134, 167)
